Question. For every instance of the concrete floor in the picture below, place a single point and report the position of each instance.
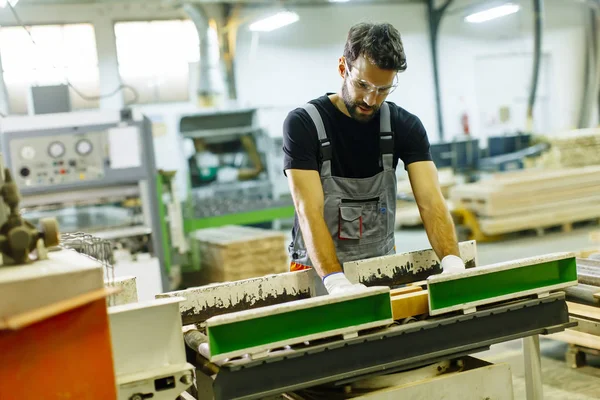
(560, 381)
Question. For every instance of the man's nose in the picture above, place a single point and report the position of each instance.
(370, 98)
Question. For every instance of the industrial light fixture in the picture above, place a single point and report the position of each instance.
(273, 22)
(4, 3)
(493, 13)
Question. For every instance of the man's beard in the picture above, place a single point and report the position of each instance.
(352, 106)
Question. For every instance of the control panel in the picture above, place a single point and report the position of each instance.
(51, 160)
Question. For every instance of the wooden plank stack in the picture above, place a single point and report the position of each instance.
(583, 302)
(532, 199)
(407, 212)
(232, 253)
(575, 148)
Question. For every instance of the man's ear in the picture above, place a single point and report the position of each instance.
(341, 67)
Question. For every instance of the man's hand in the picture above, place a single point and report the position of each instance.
(337, 283)
(452, 264)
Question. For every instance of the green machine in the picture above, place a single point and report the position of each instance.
(233, 165)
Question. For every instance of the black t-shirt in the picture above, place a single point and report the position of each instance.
(355, 145)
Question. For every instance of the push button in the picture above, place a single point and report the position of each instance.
(25, 172)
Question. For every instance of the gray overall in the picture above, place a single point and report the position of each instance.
(359, 212)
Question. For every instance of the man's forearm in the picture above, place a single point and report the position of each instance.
(319, 243)
(440, 229)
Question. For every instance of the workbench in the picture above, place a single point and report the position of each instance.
(393, 348)
(414, 344)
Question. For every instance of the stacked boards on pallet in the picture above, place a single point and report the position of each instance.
(576, 148)
(407, 212)
(232, 253)
(584, 309)
(531, 199)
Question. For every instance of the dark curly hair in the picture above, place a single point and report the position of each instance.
(379, 43)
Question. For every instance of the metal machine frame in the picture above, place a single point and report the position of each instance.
(335, 361)
(415, 344)
(217, 126)
(139, 180)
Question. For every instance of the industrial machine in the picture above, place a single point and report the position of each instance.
(275, 337)
(230, 171)
(94, 171)
(19, 238)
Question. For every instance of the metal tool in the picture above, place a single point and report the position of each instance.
(19, 238)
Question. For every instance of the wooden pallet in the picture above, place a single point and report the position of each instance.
(493, 229)
(584, 339)
(232, 253)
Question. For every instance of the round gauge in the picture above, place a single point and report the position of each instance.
(27, 152)
(56, 149)
(83, 147)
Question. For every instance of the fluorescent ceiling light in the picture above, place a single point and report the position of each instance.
(3, 3)
(493, 13)
(274, 22)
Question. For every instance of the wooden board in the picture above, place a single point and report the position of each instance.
(207, 301)
(204, 302)
(410, 304)
(541, 219)
(578, 338)
(407, 214)
(526, 191)
(405, 290)
(401, 269)
(584, 311)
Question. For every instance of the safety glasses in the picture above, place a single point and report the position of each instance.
(366, 87)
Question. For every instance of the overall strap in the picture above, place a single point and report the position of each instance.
(326, 151)
(386, 138)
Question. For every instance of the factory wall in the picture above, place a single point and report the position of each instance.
(103, 17)
(280, 70)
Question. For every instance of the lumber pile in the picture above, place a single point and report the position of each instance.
(585, 337)
(232, 253)
(407, 212)
(576, 148)
(531, 199)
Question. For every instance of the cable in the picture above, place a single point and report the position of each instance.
(84, 97)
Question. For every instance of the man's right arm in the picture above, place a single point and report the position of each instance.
(307, 192)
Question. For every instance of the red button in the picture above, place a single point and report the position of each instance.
(62, 171)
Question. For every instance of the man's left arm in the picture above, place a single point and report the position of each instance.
(435, 214)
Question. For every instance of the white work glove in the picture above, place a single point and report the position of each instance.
(452, 264)
(337, 283)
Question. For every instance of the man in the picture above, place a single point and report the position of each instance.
(341, 151)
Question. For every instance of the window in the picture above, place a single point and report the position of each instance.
(61, 54)
(154, 58)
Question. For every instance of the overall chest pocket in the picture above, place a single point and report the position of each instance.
(362, 219)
